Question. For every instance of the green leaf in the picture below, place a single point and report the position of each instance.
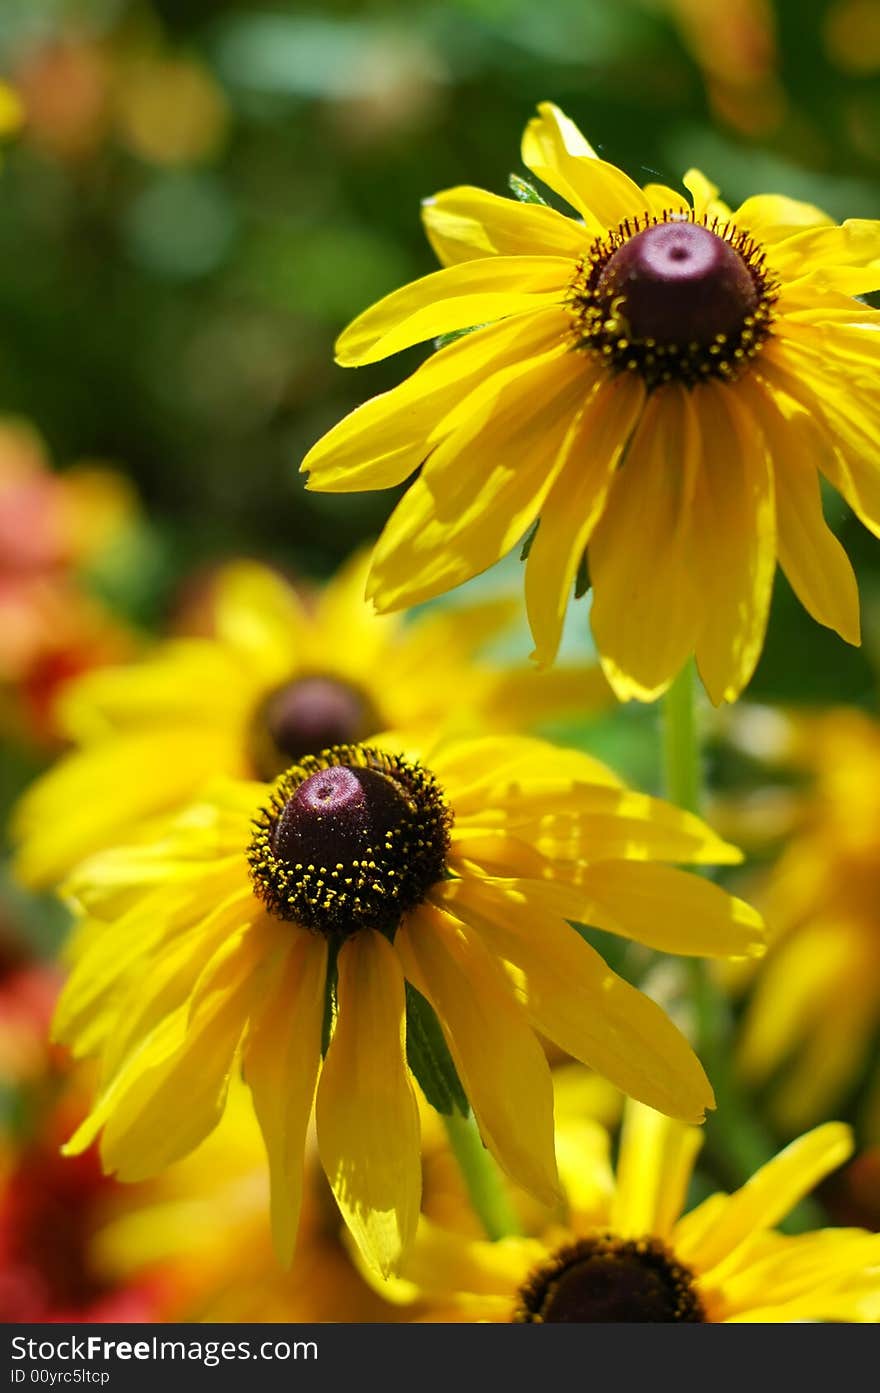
(429, 1058)
(329, 997)
(443, 339)
(529, 539)
(582, 580)
(525, 192)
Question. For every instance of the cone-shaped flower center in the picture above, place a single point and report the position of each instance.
(673, 299)
(306, 716)
(679, 283)
(602, 1278)
(349, 840)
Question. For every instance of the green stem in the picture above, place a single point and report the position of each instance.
(484, 1182)
(737, 1140)
(681, 741)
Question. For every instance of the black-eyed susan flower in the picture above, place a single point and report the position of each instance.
(815, 1006)
(282, 675)
(657, 383)
(448, 884)
(626, 1252)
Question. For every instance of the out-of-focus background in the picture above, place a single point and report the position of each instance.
(196, 195)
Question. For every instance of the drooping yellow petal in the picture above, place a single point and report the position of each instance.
(734, 541)
(464, 223)
(554, 149)
(671, 910)
(367, 1118)
(648, 604)
(382, 442)
(815, 564)
(575, 999)
(281, 1060)
(482, 487)
(770, 1194)
(502, 1066)
(575, 503)
(843, 406)
(166, 981)
(458, 297)
(171, 1090)
(654, 1169)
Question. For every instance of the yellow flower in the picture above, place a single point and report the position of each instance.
(626, 1252)
(449, 885)
(278, 680)
(815, 1007)
(659, 382)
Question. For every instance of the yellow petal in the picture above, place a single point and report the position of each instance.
(458, 297)
(661, 199)
(164, 983)
(575, 999)
(482, 487)
(554, 149)
(772, 217)
(705, 196)
(670, 910)
(845, 258)
(464, 223)
(843, 407)
(367, 1118)
(815, 564)
(767, 1197)
(260, 615)
(281, 1060)
(443, 1265)
(502, 1066)
(653, 1172)
(342, 608)
(648, 604)
(382, 442)
(734, 539)
(575, 503)
(171, 1090)
(96, 796)
(188, 682)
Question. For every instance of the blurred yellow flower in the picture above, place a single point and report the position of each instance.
(626, 1252)
(201, 1235)
(815, 1006)
(283, 675)
(660, 383)
(361, 884)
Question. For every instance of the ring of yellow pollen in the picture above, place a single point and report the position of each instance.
(310, 713)
(673, 299)
(604, 1278)
(352, 838)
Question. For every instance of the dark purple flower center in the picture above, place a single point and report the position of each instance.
(673, 299)
(306, 716)
(679, 283)
(603, 1278)
(351, 839)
